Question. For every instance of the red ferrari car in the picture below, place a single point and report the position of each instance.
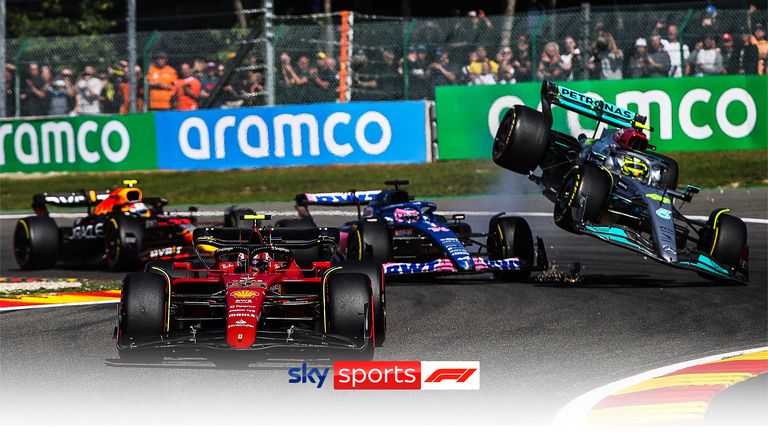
(248, 294)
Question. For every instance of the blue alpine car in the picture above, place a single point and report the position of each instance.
(409, 237)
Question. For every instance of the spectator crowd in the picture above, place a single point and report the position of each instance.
(468, 56)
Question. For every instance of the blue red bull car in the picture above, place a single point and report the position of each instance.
(410, 238)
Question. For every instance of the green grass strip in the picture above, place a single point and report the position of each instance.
(443, 178)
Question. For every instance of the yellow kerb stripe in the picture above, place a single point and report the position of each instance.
(724, 379)
(646, 414)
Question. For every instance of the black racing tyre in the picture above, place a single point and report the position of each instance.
(36, 242)
(509, 237)
(522, 140)
(295, 223)
(670, 175)
(375, 273)
(724, 237)
(141, 314)
(369, 240)
(348, 308)
(585, 181)
(123, 242)
(233, 218)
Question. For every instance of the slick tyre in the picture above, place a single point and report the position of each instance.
(375, 273)
(348, 310)
(586, 186)
(36, 242)
(141, 315)
(724, 238)
(123, 242)
(521, 140)
(369, 241)
(510, 237)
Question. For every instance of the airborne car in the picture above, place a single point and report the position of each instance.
(121, 230)
(410, 238)
(616, 188)
(246, 293)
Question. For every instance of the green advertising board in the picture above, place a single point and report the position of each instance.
(688, 114)
(83, 143)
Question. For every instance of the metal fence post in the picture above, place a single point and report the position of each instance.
(534, 44)
(17, 75)
(145, 62)
(2, 58)
(681, 38)
(131, 24)
(406, 42)
(586, 13)
(269, 50)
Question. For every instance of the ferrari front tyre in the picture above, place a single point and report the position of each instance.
(36, 242)
(369, 240)
(123, 242)
(521, 140)
(141, 315)
(511, 237)
(724, 238)
(375, 272)
(348, 311)
(582, 198)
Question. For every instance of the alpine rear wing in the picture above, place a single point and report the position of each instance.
(334, 199)
(83, 198)
(587, 106)
(350, 198)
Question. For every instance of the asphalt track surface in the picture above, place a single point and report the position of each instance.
(539, 344)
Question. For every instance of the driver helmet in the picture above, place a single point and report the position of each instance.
(136, 208)
(631, 139)
(406, 215)
(261, 262)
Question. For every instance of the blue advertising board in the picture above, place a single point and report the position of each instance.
(319, 134)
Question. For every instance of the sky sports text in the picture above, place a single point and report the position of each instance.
(393, 375)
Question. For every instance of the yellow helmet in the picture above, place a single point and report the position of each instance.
(632, 166)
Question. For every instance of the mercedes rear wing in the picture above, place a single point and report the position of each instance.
(587, 106)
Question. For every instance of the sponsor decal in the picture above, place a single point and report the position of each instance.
(439, 229)
(304, 374)
(406, 375)
(244, 301)
(170, 250)
(87, 232)
(341, 197)
(664, 213)
(242, 294)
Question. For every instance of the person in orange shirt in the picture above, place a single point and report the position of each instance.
(161, 78)
(124, 89)
(186, 90)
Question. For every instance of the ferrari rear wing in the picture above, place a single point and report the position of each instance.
(587, 106)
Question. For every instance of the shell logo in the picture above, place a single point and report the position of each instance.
(244, 294)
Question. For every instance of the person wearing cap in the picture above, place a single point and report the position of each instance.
(161, 77)
(418, 69)
(89, 88)
(708, 59)
(442, 71)
(638, 65)
(730, 55)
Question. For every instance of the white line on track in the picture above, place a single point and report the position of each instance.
(346, 213)
(46, 306)
(575, 412)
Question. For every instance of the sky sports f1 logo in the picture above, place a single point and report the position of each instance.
(393, 375)
(406, 375)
